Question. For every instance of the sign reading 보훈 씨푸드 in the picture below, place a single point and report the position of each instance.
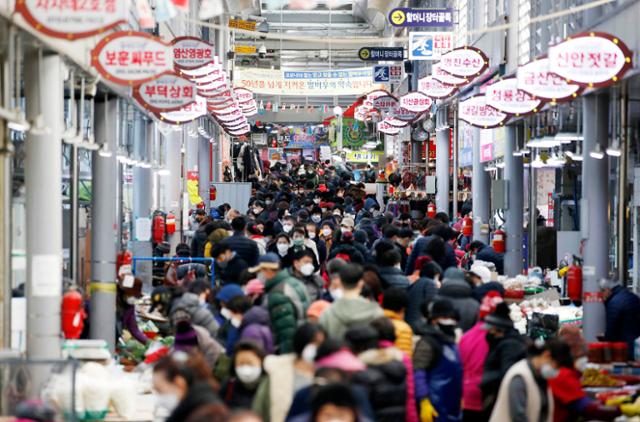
(404, 16)
(381, 53)
(429, 45)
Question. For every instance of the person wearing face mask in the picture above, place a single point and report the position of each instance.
(288, 373)
(182, 384)
(301, 242)
(287, 224)
(571, 403)
(388, 260)
(246, 375)
(251, 323)
(195, 302)
(226, 294)
(129, 291)
(281, 246)
(258, 211)
(326, 234)
(524, 394)
(190, 337)
(303, 269)
(313, 234)
(335, 288)
(506, 347)
(228, 265)
(456, 289)
(437, 366)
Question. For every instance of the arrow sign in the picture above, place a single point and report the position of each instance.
(381, 53)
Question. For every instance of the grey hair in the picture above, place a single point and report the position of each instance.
(606, 283)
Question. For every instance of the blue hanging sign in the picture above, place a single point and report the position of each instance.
(381, 53)
(405, 16)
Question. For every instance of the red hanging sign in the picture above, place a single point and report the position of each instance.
(536, 79)
(385, 103)
(464, 62)
(416, 102)
(446, 78)
(243, 95)
(405, 115)
(387, 128)
(72, 20)
(129, 58)
(395, 122)
(592, 59)
(505, 96)
(433, 88)
(476, 112)
(167, 93)
(186, 114)
(192, 53)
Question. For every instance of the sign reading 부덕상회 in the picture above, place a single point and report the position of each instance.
(169, 92)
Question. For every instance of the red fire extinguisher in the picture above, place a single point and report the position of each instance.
(467, 226)
(499, 241)
(124, 258)
(73, 314)
(574, 280)
(158, 228)
(213, 193)
(171, 223)
(431, 210)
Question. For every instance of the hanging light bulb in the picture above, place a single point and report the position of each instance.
(597, 152)
(614, 150)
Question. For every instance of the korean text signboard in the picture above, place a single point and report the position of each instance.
(387, 128)
(404, 16)
(186, 114)
(356, 81)
(592, 59)
(446, 78)
(505, 96)
(415, 101)
(535, 78)
(242, 24)
(73, 19)
(464, 62)
(129, 58)
(385, 103)
(476, 112)
(192, 52)
(434, 88)
(167, 93)
(381, 53)
(429, 45)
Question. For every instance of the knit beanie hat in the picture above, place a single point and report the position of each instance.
(186, 337)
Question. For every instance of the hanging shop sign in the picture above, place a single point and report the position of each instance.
(242, 24)
(505, 96)
(464, 62)
(476, 112)
(245, 49)
(243, 94)
(385, 103)
(212, 96)
(356, 81)
(433, 88)
(72, 20)
(364, 156)
(429, 45)
(216, 75)
(536, 79)
(250, 112)
(186, 114)
(395, 122)
(381, 53)
(387, 128)
(404, 16)
(192, 52)
(201, 71)
(446, 78)
(230, 116)
(593, 59)
(385, 73)
(405, 115)
(242, 131)
(167, 93)
(415, 101)
(129, 58)
(212, 87)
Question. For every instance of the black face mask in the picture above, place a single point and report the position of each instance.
(448, 330)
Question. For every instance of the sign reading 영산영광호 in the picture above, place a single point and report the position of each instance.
(73, 20)
(130, 58)
(192, 53)
(357, 81)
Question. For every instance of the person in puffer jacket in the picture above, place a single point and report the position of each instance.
(456, 290)
(255, 326)
(385, 377)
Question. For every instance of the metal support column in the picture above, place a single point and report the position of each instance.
(204, 168)
(454, 163)
(171, 183)
(594, 220)
(104, 224)
(442, 161)
(43, 85)
(480, 190)
(623, 196)
(514, 214)
(6, 183)
(74, 244)
(142, 194)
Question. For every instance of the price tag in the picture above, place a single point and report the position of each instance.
(128, 281)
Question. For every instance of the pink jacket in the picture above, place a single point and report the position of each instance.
(473, 353)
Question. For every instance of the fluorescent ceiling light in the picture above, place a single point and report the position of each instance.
(544, 142)
(613, 151)
(567, 137)
(163, 172)
(597, 153)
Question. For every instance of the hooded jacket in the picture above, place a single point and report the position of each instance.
(345, 313)
(404, 333)
(255, 326)
(393, 277)
(473, 352)
(246, 248)
(231, 271)
(422, 290)
(199, 316)
(459, 292)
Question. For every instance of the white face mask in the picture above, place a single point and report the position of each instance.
(307, 269)
(312, 235)
(283, 248)
(548, 372)
(235, 322)
(131, 300)
(287, 228)
(165, 403)
(316, 218)
(316, 200)
(226, 314)
(309, 353)
(248, 374)
(336, 293)
(581, 363)
(326, 232)
(447, 321)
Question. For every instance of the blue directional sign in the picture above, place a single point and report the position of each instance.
(404, 16)
(381, 53)
(381, 74)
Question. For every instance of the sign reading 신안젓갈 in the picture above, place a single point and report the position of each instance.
(475, 111)
(129, 58)
(169, 92)
(72, 19)
(592, 59)
(536, 79)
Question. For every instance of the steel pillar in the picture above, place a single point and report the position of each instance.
(442, 161)
(192, 149)
(43, 86)
(171, 184)
(514, 214)
(480, 190)
(594, 221)
(204, 168)
(104, 225)
(454, 163)
(142, 194)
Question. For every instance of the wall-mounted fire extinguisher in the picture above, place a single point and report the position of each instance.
(171, 224)
(124, 258)
(431, 210)
(574, 280)
(73, 314)
(499, 241)
(213, 193)
(158, 228)
(467, 226)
